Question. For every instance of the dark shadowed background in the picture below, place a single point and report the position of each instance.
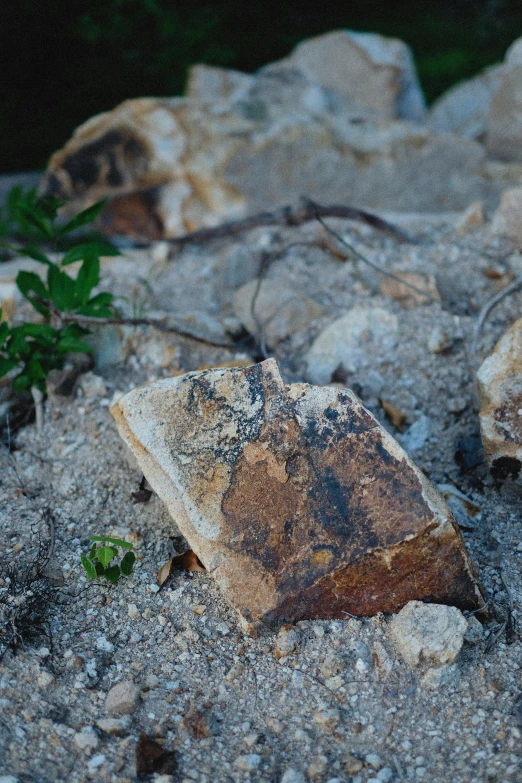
(65, 61)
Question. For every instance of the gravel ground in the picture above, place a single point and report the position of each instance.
(341, 705)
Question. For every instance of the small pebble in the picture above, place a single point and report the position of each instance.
(293, 776)
(122, 698)
(44, 679)
(86, 739)
(96, 762)
(248, 762)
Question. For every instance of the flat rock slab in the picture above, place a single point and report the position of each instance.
(294, 497)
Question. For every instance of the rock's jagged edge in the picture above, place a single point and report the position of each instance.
(280, 490)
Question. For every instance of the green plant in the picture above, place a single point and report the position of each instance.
(34, 349)
(100, 563)
(12, 220)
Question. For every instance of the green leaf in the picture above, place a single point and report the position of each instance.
(6, 365)
(110, 540)
(33, 252)
(21, 382)
(92, 553)
(29, 282)
(49, 205)
(4, 330)
(61, 288)
(89, 567)
(35, 370)
(95, 249)
(88, 215)
(72, 345)
(127, 563)
(88, 277)
(44, 333)
(96, 311)
(105, 298)
(105, 554)
(113, 573)
(100, 570)
(38, 221)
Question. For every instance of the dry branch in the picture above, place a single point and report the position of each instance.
(155, 323)
(290, 217)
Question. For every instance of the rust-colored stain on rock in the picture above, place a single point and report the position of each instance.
(294, 497)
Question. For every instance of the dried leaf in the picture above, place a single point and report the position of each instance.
(187, 561)
(394, 414)
(144, 492)
(164, 572)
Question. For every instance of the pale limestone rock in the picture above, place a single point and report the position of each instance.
(350, 341)
(374, 73)
(122, 698)
(324, 122)
(472, 217)
(287, 641)
(513, 55)
(295, 499)
(428, 634)
(500, 387)
(464, 108)
(209, 83)
(439, 677)
(86, 740)
(417, 288)
(507, 220)
(272, 311)
(504, 132)
(119, 727)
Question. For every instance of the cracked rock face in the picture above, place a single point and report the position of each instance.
(294, 497)
(500, 387)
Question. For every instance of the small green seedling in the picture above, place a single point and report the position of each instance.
(29, 351)
(100, 563)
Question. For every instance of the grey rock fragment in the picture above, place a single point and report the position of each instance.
(349, 341)
(86, 740)
(417, 435)
(428, 634)
(273, 312)
(122, 698)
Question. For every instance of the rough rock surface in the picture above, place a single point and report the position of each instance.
(373, 73)
(281, 710)
(428, 634)
(336, 121)
(274, 313)
(177, 164)
(504, 134)
(294, 498)
(507, 220)
(464, 109)
(500, 386)
(347, 343)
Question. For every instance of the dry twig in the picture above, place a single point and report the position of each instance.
(357, 256)
(485, 312)
(291, 216)
(155, 323)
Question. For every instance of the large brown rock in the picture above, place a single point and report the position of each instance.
(295, 499)
(500, 387)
